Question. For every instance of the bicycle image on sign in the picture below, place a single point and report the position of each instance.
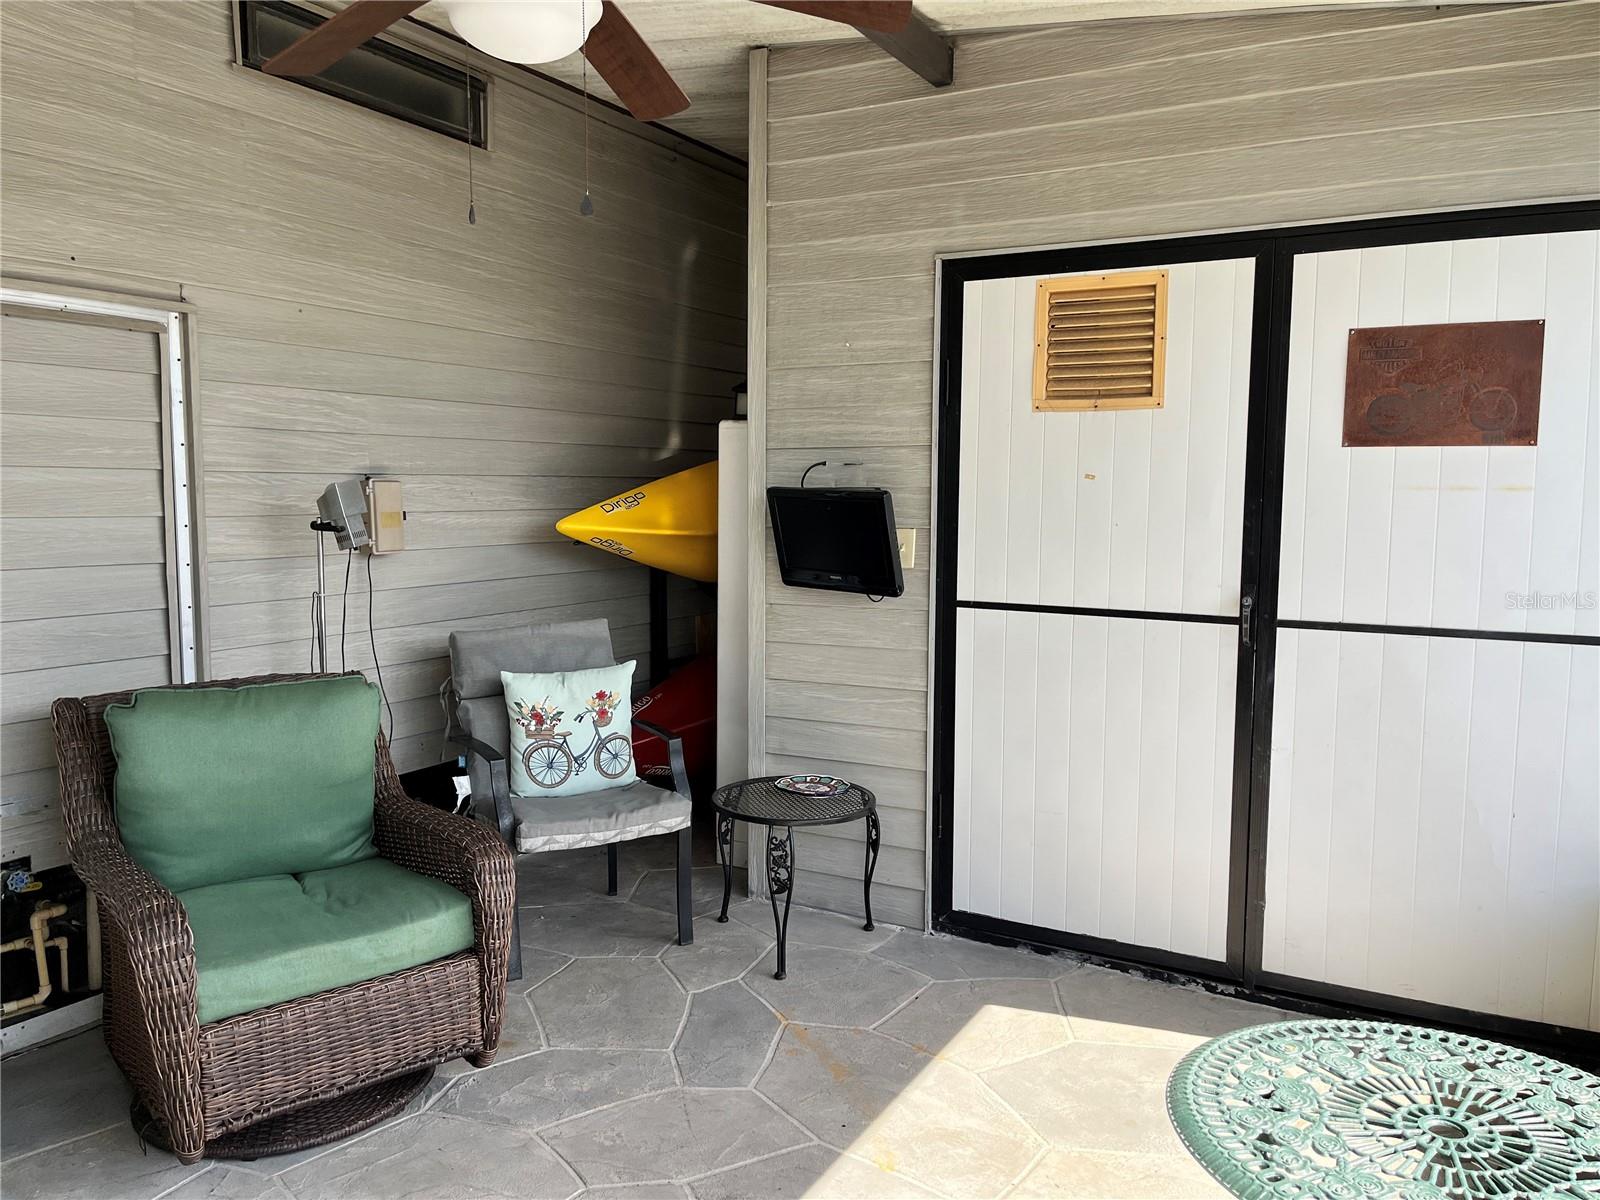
(548, 757)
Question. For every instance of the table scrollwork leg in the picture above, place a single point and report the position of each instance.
(725, 854)
(780, 882)
(874, 837)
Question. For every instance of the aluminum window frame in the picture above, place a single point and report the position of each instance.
(475, 133)
(180, 460)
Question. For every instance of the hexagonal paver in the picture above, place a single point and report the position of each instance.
(834, 987)
(836, 1082)
(604, 1002)
(1110, 1176)
(726, 1038)
(598, 930)
(950, 1132)
(945, 958)
(434, 1156)
(979, 1024)
(809, 1171)
(576, 876)
(444, 1077)
(112, 1162)
(227, 1183)
(672, 1136)
(1103, 1005)
(813, 927)
(557, 1084)
(537, 966)
(659, 890)
(903, 1110)
(637, 1191)
(72, 1088)
(519, 1030)
(719, 953)
(1094, 1097)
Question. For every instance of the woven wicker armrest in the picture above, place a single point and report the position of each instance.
(458, 850)
(152, 1023)
(470, 858)
(149, 915)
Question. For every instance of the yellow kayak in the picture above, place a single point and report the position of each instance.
(669, 523)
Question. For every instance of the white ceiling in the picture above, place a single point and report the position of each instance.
(706, 43)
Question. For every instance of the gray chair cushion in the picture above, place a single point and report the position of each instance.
(597, 818)
(478, 656)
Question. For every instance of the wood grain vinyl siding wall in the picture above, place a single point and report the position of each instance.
(1102, 132)
(350, 321)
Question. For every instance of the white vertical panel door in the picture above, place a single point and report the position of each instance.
(1093, 751)
(1434, 818)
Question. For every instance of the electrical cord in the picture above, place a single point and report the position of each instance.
(372, 638)
(344, 606)
(823, 463)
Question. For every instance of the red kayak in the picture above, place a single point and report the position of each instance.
(685, 703)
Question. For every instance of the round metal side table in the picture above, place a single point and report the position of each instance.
(762, 802)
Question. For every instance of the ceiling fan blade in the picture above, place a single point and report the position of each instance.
(886, 16)
(318, 49)
(631, 68)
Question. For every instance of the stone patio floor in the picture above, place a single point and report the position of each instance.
(887, 1064)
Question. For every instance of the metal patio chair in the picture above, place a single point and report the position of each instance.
(477, 722)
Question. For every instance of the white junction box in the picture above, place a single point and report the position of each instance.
(386, 515)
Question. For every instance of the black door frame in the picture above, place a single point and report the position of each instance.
(1274, 251)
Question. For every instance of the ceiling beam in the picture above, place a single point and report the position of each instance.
(919, 46)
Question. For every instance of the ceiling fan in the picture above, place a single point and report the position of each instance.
(530, 31)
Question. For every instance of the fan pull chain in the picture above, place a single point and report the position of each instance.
(472, 112)
(586, 205)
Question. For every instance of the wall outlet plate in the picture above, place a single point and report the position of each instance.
(908, 547)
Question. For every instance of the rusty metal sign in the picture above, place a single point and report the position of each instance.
(1468, 384)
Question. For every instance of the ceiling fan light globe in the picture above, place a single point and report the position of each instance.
(524, 31)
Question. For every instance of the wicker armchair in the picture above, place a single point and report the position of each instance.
(305, 1071)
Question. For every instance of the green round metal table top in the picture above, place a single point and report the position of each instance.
(1341, 1110)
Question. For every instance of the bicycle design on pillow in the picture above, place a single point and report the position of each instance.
(549, 759)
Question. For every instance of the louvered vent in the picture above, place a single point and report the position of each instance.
(1100, 342)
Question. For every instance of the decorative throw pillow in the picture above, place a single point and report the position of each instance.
(571, 731)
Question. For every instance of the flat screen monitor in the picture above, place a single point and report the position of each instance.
(837, 538)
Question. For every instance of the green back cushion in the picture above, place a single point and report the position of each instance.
(218, 784)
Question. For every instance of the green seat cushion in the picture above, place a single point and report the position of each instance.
(263, 941)
(216, 784)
